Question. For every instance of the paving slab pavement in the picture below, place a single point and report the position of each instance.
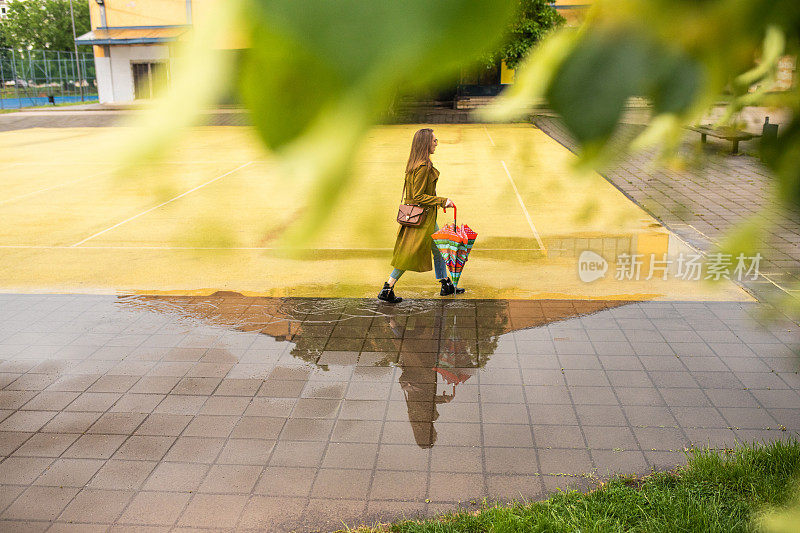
(702, 205)
(306, 414)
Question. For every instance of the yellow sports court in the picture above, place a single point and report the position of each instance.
(210, 217)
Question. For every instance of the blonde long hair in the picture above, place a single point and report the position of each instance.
(420, 149)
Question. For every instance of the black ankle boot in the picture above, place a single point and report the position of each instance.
(387, 295)
(448, 288)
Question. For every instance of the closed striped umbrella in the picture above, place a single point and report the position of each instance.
(455, 243)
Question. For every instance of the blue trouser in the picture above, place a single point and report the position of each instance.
(439, 268)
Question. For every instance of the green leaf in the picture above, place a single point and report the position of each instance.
(783, 155)
(678, 81)
(318, 74)
(592, 85)
(307, 56)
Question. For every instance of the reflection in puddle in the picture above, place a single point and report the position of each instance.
(437, 344)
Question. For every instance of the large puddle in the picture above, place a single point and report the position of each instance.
(439, 346)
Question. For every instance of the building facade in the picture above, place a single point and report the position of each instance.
(133, 44)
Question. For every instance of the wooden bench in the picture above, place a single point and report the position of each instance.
(725, 132)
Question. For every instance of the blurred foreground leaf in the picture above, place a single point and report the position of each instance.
(784, 520)
(682, 61)
(316, 75)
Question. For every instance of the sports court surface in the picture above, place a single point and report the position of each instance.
(209, 217)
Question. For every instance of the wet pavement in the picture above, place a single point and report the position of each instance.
(704, 205)
(240, 412)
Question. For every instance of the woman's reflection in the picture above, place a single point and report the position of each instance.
(419, 384)
(420, 374)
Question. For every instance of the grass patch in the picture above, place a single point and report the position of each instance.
(716, 491)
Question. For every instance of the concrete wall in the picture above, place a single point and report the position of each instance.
(115, 74)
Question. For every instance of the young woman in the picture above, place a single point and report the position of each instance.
(414, 246)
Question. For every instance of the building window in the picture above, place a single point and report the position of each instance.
(149, 79)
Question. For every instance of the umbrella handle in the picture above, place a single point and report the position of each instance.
(455, 212)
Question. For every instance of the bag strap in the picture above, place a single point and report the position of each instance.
(405, 181)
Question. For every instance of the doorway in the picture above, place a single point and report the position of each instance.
(149, 79)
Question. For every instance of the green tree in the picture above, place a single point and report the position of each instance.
(3, 40)
(533, 20)
(43, 24)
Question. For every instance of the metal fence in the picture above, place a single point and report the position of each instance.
(45, 77)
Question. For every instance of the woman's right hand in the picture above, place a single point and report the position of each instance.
(449, 203)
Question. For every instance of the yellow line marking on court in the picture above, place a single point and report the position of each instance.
(134, 217)
(784, 289)
(34, 193)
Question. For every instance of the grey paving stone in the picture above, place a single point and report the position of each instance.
(40, 503)
(661, 439)
(610, 438)
(98, 506)
(564, 461)
(625, 462)
(649, 416)
(23, 470)
(122, 475)
(155, 508)
(748, 418)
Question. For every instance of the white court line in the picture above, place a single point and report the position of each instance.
(519, 198)
(487, 134)
(118, 224)
(525, 209)
(33, 193)
(245, 248)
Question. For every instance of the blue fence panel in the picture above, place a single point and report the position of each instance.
(29, 77)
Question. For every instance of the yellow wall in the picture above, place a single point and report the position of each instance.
(506, 74)
(146, 12)
(576, 11)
